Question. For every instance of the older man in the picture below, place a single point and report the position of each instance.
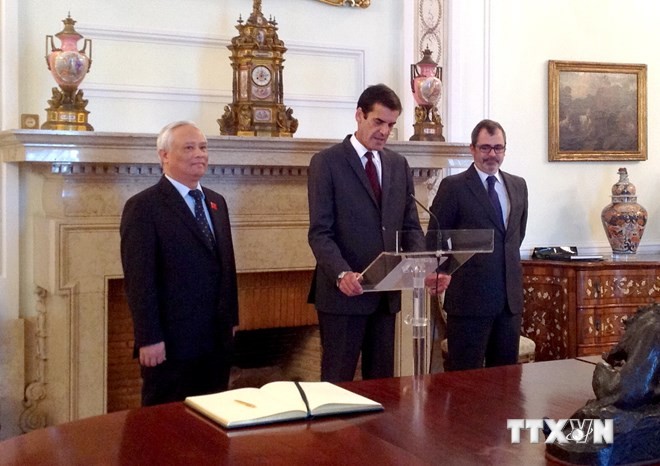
(180, 274)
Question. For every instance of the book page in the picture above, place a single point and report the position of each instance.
(278, 401)
(248, 406)
(327, 398)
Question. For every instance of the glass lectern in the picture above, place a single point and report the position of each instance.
(417, 256)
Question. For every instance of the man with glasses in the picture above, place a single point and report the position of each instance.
(484, 301)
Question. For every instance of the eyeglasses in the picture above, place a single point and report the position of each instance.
(486, 148)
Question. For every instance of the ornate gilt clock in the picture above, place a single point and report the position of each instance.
(257, 107)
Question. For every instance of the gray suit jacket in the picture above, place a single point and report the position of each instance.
(487, 282)
(347, 229)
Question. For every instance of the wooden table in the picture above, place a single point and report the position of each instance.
(449, 418)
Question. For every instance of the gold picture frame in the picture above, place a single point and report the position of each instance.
(357, 3)
(596, 111)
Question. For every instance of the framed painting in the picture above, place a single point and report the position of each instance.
(596, 111)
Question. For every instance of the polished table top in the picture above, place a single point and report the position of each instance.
(449, 418)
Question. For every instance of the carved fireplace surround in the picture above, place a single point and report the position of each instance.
(63, 196)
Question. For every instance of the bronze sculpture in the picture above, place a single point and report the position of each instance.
(627, 388)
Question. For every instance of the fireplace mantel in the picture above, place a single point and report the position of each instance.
(61, 198)
(37, 146)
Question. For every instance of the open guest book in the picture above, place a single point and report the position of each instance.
(279, 401)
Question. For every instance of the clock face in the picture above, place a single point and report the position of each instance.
(261, 75)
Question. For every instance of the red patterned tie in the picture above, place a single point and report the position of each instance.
(372, 174)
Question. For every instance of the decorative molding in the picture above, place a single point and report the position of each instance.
(154, 36)
(162, 37)
(274, 221)
(3, 195)
(154, 170)
(105, 151)
(104, 169)
(33, 417)
(214, 96)
(430, 28)
(104, 261)
(135, 92)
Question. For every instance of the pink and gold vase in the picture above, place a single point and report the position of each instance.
(69, 66)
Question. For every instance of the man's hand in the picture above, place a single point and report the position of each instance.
(437, 283)
(350, 284)
(152, 355)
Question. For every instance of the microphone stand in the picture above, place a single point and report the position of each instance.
(420, 320)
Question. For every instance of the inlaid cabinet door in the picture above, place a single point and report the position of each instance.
(546, 315)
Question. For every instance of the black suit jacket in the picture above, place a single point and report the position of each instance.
(347, 228)
(180, 290)
(486, 282)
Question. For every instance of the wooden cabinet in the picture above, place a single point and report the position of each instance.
(578, 308)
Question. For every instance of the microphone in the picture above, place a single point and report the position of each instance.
(431, 214)
(438, 239)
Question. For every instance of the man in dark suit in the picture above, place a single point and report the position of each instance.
(484, 303)
(359, 197)
(180, 274)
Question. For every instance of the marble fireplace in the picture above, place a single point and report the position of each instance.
(62, 198)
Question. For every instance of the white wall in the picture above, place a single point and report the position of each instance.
(500, 50)
(159, 60)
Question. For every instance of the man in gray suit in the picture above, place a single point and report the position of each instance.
(484, 303)
(359, 197)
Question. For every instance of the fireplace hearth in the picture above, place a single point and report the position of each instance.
(269, 349)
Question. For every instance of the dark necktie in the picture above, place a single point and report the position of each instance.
(200, 216)
(372, 174)
(494, 198)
